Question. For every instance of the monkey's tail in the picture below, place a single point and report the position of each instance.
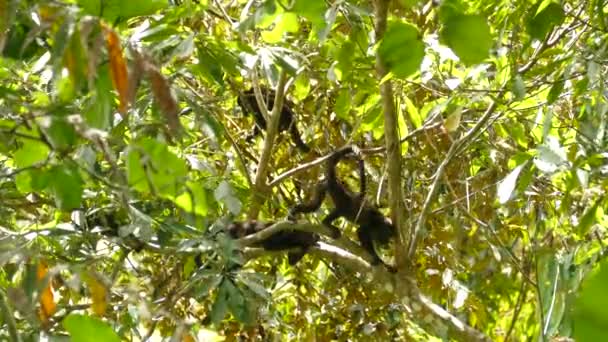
(297, 139)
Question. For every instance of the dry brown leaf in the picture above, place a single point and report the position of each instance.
(164, 97)
(47, 300)
(118, 69)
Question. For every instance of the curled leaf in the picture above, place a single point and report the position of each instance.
(118, 69)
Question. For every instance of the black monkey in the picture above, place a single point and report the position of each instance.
(373, 225)
(283, 240)
(287, 121)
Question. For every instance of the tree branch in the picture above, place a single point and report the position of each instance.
(272, 127)
(391, 136)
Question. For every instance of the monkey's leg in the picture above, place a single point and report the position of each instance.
(315, 203)
(294, 256)
(367, 243)
(327, 221)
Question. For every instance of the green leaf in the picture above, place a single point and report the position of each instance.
(591, 307)
(556, 90)
(401, 49)
(313, 10)
(59, 132)
(31, 152)
(112, 10)
(220, 305)
(88, 329)
(66, 187)
(194, 200)
(98, 112)
(468, 36)
(589, 218)
(545, 20)
(152, 168)
(225, 193)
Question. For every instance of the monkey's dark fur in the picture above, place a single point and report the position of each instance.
(287, 121)
(373, 226)
(283, 240)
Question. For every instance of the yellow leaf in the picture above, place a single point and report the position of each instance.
(47, 300)
(99, 295)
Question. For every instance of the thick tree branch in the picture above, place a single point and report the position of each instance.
(391, 135)
(260, 188)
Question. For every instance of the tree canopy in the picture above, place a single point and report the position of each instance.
(127, 161)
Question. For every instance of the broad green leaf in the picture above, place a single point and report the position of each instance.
(31, 152)
(152, 168)
(507, 185)
(545, 19)
(112, 10)
(65, 184)
(313, 10)
(194, 200)
(343, 104)
(591, 307)
(60, 134)
(284, 23)
(220, 305)
(88, 329)
(98, 112)
(401, 49)
(237, 303)
(589, 218)
(468, 36)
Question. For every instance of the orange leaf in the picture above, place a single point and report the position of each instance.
(47, 300)
(118, 69)
(99, 295)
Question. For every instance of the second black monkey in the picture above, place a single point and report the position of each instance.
(373, 225)
(287, 120)
(282, 240)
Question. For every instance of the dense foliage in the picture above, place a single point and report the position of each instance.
(124, 155)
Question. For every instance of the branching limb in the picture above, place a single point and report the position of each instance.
(261, 187)
(391, 135)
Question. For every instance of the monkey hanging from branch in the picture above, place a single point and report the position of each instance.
(373, 226)
(287, 120)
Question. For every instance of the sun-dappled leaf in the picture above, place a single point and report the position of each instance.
(507, 185)
(88, 329)
(458, 33)
(193, 200)
(401, 48)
